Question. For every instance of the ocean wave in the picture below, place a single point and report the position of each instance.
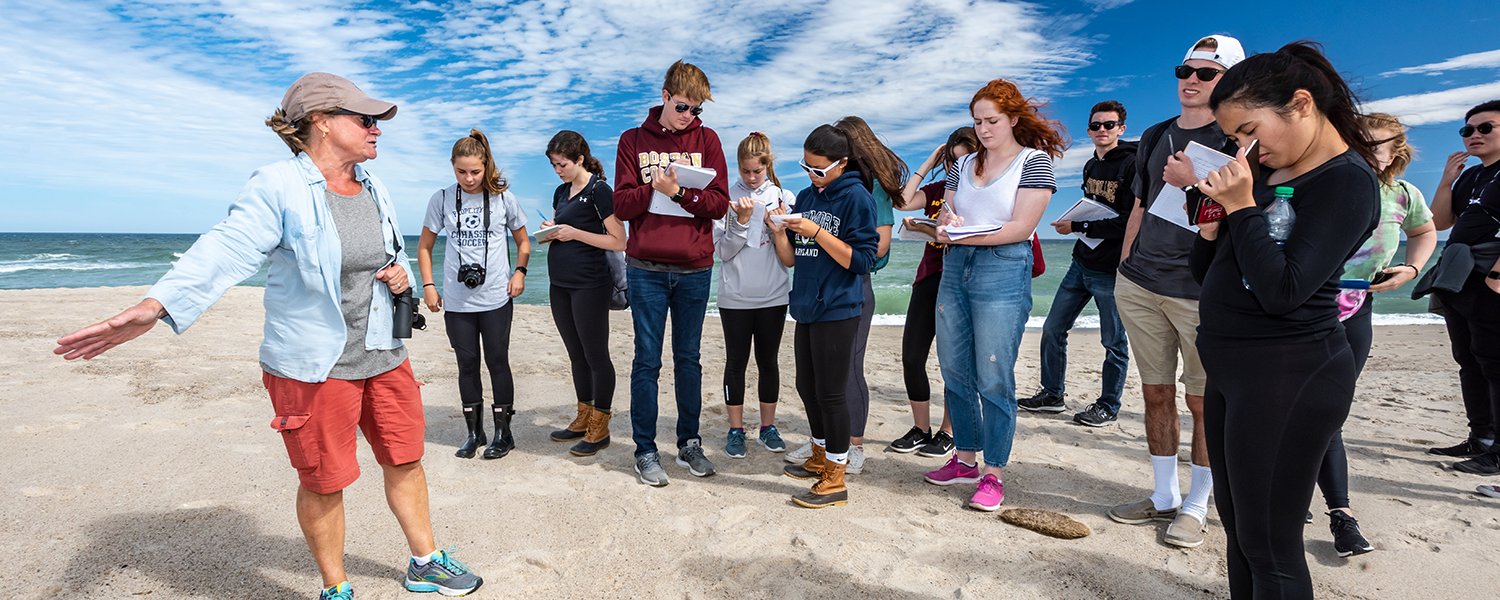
(1092, 321)
(20, 266)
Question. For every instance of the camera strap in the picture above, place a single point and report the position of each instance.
(458, 205)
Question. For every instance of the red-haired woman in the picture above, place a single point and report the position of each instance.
(994, 199)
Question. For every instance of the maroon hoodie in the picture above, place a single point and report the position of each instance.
(677, 241)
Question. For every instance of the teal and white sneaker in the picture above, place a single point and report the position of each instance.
(770, 437)
(443, 574)
(341, 591)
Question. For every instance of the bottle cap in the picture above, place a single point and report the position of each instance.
(1284, 191)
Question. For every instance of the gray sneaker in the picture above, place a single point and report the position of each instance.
(691, 456)
(800, 455)
(443, 574)
(1186, 531)
(1136, 513)
(856, 460)
(648, 466)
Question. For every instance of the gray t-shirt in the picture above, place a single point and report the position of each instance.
(466, 243)
(363, 241)
(1158, 259)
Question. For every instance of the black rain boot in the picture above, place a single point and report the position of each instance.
(503, 443)
(475, 421)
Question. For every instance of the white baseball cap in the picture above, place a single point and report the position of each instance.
(1228, 54)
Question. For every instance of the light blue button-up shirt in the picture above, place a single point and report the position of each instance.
(283, 214)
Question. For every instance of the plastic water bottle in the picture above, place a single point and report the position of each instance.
(1280, 217)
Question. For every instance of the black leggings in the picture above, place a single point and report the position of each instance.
(824, 352)
(857, 394)
(1270, 411)
(582, 317)
(763, 326)
(1333, 477)
(467, 332)
(1473, 319)
(917, 336)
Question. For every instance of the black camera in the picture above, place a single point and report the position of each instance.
(406, 317)
(471, 274)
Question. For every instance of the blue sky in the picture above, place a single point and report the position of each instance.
(147, 116)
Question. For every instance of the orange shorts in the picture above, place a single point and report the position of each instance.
(317, 422)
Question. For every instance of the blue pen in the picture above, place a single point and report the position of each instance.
(539, 214)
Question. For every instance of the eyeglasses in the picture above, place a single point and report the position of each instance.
(683, 107)
(819, 172)
(1205, 74)
(366, 121)
(1483, 128)
(1105, 125)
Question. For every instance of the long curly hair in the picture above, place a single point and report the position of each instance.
(1032, 129)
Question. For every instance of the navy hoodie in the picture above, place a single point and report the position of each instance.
(822, 290)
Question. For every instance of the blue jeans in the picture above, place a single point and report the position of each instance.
(1073, 294)
(652, 295)
(982, 305)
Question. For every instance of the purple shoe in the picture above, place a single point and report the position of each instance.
(953, 472)
(989, 495)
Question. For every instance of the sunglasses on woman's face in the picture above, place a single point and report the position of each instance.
(683, 107)
(819, 172)
(1105, 125)
(1483, 128)
(366, 121)
(1205, 74)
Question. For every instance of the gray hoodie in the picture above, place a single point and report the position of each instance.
(751, 275)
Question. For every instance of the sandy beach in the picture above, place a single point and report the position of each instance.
(151, 472)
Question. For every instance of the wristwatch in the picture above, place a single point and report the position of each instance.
(521, 269)
(1493, 275)
(677, 197)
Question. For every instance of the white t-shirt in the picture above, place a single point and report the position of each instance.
(995, 203)
(466, 243)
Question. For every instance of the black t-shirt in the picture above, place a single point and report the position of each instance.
(1476, 205)
(1293, 290)
(574, 264)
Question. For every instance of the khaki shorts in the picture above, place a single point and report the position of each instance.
(1159, 328)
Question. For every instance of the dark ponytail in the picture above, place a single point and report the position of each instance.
(571, 145)
(1270, 80)
(833, 143)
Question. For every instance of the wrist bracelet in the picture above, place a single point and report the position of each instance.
(429, 284)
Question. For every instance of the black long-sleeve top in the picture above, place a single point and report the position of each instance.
(1110, 182)
(1293, 288)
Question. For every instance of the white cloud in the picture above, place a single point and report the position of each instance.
(1436, 107)
(1477, 60)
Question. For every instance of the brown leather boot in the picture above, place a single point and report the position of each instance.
(596, 437)
(812, 468)
(575, 429)
(828, 491)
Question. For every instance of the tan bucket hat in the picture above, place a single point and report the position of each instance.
(316, 92)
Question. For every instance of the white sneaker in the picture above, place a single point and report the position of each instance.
(800, 455)
(856, 460)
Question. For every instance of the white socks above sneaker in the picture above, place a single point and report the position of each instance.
(1196, 503)
(1168, 491)
(422, 561)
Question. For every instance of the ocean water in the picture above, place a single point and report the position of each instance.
(58, 260)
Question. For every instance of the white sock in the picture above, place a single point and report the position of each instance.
(820, 443)
(1196, 503)
(423, 560)
(841, 458)
(1168, 491)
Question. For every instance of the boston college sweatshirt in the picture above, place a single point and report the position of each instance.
(661, 242)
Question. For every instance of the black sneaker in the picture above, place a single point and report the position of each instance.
(1484, 464)
(916, 438)
(940, 446)
(1308, 518)
(1044, 401)
(1347, 540)
(1466, 449)
(1096, 415)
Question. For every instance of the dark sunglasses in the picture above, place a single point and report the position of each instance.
(366, 121)
(683, 107)
(1483, 129)
(1105, 125)
(1205, 74)
(819, 172)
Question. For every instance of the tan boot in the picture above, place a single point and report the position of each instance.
(595, 437)
(575, 429)
(812, 468)
(828, 491)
